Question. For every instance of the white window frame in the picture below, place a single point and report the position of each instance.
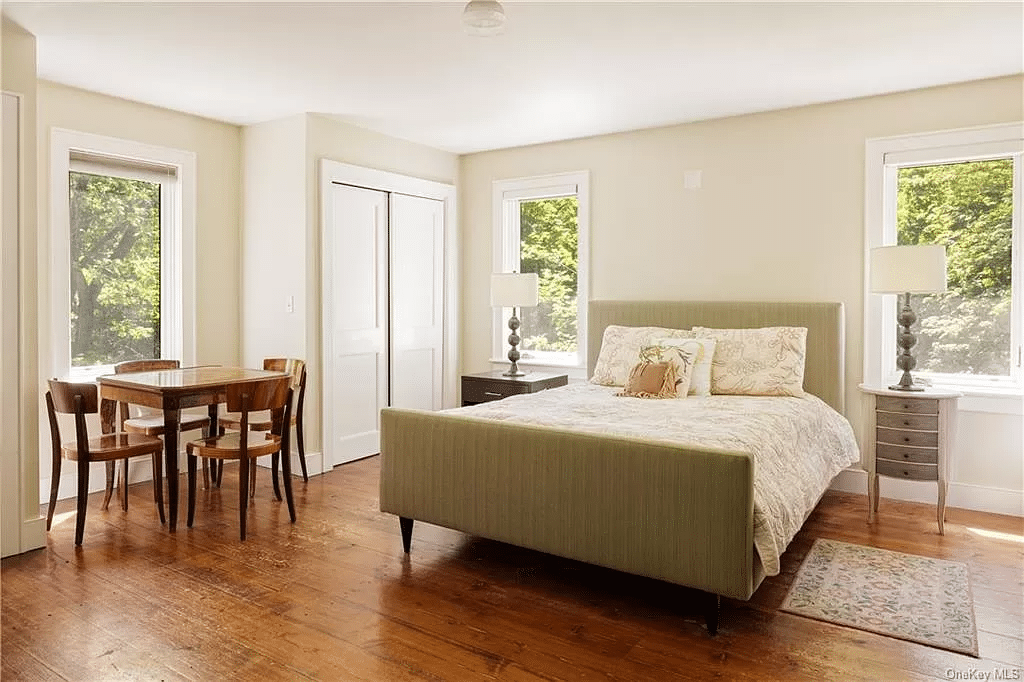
(506, 239)
(125, 158)
(883, 158)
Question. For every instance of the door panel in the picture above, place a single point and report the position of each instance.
(359, 317)
(417, 301)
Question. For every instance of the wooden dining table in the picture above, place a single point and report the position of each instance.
(173, 390)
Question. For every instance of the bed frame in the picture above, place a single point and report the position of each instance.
(668, 512)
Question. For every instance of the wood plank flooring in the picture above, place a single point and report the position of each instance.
(333, 597)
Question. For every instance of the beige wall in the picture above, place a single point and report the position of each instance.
(218, 196)
(282, 220)
(780, 214)
(22, 528)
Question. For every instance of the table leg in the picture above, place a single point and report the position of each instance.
(172, 422)
(942, 507)
(872, 496)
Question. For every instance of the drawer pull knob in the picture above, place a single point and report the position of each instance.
(906, 473)
(906, 440)
(906, 423)
(906, 455)
(906, 406)
(490, 393)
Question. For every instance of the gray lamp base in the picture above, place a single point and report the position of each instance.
(906, 340)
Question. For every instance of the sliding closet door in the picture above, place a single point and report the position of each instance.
(417, 301)
(358, 379)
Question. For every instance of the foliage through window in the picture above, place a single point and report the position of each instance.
(115, 269)
(968, 208)
(549, 247)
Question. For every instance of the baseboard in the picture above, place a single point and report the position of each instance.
(962, 495)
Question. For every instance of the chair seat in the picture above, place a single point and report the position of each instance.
(153, 425)
(115, 446)
(229, 446)
(258, 421)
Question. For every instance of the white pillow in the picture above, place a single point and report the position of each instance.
(766, 361)
(703, 351)
(620, 348)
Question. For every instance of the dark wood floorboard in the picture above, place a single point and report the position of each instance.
(333, 597)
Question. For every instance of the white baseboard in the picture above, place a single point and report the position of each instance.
(961, 495)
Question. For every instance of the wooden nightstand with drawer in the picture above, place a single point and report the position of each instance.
(908, 435)
(487, 386)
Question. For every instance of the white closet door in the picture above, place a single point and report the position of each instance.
(357, 220)
(417, 301)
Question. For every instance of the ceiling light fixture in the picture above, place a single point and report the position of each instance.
(483, 18)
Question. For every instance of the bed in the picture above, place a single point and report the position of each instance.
(644, 497)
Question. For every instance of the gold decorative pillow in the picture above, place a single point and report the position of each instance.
(651, 380)
(682, 359)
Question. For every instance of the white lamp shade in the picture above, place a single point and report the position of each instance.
(919, 269)
(514, 289)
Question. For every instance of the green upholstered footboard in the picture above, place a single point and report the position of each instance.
(644, 507)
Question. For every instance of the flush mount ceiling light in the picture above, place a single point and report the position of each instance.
(483, 18)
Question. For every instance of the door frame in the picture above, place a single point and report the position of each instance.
(330, 172)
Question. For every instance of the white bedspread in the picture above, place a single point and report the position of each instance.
(798, 444)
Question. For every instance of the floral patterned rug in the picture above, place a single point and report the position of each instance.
(899, 595)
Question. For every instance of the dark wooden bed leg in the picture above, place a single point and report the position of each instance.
(406, 525)
(714, 608)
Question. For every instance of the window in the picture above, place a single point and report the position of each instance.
(961, 189)
(541, 226)
(122, 244)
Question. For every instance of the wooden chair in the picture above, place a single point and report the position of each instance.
(262, 421)
(274, 395)
(150, 422)
(81, 399)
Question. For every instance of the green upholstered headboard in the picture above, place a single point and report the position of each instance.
(826, 331)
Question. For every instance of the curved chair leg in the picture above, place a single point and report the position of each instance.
(252, 478)
(191, 489)
(54, 484)
(158, 485)
(286, 467)
(109, 490)
(243, 494)
(122, 485)
(274, 462)
(83, 499)
(302, 449)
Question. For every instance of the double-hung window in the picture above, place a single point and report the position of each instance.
(123, 254)
(963, 190)
(541, 225)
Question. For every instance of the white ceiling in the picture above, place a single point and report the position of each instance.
(560, 70)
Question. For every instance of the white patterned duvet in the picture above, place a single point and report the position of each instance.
(798, 444)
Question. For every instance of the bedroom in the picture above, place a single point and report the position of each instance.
(814, 235)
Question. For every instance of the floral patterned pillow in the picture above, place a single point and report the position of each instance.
(766, 361)
(620, 347)
(681, 360)
(704, 353)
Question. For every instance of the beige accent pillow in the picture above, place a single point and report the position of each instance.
(703, 353)
(620, 347)
(651, 380)
(682, 360)
(765, 361)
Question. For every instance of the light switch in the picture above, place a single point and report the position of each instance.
(289, 304)
(692, 179)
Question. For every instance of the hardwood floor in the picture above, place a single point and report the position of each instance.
(333, 597)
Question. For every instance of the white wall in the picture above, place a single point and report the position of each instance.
(22, 529)
(218, 218)
(282, 222)
(780, 216)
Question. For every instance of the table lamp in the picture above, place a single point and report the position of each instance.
(918, 269)
(514, 290)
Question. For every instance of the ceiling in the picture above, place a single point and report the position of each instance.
(560, 70)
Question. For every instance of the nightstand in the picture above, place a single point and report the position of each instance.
(487, 386)
(908, 435)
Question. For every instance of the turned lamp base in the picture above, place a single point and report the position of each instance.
(906, 340)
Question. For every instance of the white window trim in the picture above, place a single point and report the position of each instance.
(177, 241)
(882, 158)
(506, 253)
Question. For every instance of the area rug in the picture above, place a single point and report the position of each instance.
(909, 597)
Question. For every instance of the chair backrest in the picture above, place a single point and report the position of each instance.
(295, 367)
(145, 365)
(267, 394)
(79, 399)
